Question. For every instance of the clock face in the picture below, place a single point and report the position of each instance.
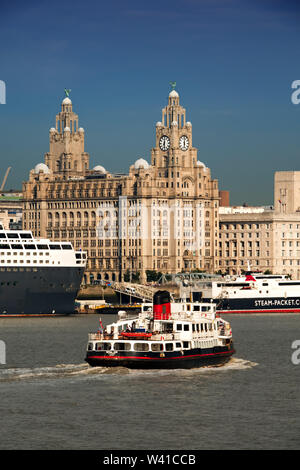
(184, 142)
(164, 142)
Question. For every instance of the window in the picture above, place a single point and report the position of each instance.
(122, 346)
(169, 346)
(141, 347)
(103, 346)
(25, 235)
(179, 327)
(157, 347)
(186, 327)
(12, 235)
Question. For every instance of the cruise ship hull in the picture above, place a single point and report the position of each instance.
(39, 291)
(190, 359)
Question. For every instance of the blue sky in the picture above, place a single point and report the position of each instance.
(233, 60)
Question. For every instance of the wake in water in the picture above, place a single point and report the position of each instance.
(234, 363)
(58, 371)
(81, 370)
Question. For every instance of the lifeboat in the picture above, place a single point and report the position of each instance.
(136, 334)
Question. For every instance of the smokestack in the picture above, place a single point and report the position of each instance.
(162, 305)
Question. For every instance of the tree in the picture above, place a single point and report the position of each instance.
(134, 277)
(153, 276)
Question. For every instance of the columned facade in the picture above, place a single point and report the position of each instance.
(266, 238)
(163, 216)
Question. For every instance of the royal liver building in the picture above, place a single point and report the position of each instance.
(162, 216)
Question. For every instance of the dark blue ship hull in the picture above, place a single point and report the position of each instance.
(32, 291)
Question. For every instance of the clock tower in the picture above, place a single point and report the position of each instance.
(174, 138)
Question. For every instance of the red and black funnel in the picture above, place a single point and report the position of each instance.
(162, 305)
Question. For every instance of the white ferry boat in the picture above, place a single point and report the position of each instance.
(165, 334)
(251, 293)
(38, 276)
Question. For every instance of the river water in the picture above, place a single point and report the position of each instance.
(51, 399)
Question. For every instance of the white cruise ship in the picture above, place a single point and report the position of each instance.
(38, 276)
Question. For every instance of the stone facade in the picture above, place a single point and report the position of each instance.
(268, 238)
(162, 216)
(11, 210)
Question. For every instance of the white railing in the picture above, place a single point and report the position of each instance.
(224, 333)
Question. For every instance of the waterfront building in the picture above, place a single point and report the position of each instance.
(162, 216)
(268, 238)
(11, 210)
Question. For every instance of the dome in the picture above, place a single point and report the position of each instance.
(158, 124)
(52, 129)
(173, 94)
(200, 164)
(99, 168)
(67, 101)
(80, 129)
(41, 167)
(141, 163)
(174, 123)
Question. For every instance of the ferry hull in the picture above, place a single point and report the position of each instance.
(39, 291)
(190, 359)
(256, 305)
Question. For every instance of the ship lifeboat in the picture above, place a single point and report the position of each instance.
(136, 335)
